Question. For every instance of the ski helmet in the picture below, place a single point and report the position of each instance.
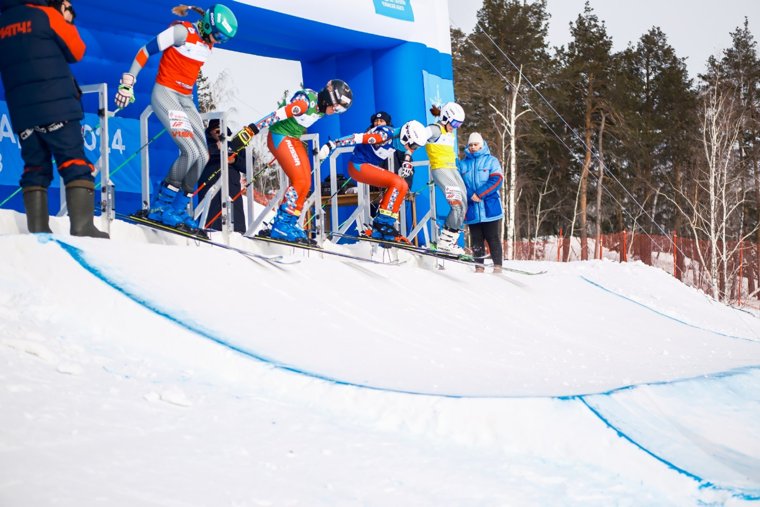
(336, 93)
(219, 21)
(453, 114)
(414, 134)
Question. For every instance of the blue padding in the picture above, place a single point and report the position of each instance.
(385, 73)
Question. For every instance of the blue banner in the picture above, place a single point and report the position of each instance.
(399, 9)
(11, 164)
(124, 141)
(438, 91)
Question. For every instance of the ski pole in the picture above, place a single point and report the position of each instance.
(377, 199)
(328, 200)
(133, 155)
(219, 213)
(210, 222)
(96, 186)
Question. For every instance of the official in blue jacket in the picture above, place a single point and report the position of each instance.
(483, 178)
(38, 41)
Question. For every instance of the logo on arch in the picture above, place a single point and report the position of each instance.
(398, 9)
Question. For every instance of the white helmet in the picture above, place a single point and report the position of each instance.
(414, 133)
(453, 114)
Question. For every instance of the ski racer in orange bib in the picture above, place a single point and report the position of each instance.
(184, 48)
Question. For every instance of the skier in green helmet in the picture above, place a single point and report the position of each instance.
(184, 48)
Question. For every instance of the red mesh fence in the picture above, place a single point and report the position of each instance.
(736, 273)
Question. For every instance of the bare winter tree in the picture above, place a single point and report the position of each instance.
(714, 204)
(599, 188)
(506, 126)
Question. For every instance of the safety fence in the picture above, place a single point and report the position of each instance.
(735, 274)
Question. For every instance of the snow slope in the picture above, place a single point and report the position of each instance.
(148, 370)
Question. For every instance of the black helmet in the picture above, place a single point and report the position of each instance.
(336, 93)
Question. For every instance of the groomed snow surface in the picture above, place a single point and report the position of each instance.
(151, 371)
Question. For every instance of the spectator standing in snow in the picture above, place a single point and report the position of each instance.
(184, 48)
(38, 41)
(212, 173)
(483, 177)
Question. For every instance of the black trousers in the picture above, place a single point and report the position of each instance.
(215, 206)
(65, 144)
(486, 232)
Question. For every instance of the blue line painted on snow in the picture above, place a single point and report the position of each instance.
(702, 482)
(605, 289)
(79, 257)
(722, 374)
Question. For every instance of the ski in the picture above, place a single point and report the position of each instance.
(157, 226)
(316, 248)
(468, 260)
(523, 272)
(462, 259)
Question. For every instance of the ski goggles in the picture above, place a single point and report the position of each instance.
(455, 123)
(339, 108)
(219, 37)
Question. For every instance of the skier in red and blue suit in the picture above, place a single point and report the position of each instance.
(372, 149)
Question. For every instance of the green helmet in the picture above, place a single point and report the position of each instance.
(219, 21)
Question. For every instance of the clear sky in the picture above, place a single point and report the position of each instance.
(695, 28)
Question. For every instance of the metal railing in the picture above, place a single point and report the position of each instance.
(102, 164)
(201, 211)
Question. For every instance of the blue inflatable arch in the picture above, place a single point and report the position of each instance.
(395, 54)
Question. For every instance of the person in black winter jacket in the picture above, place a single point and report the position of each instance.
(38, 41)
(211, 174)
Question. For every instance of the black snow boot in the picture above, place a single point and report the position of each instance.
(36, 206)
(80, 199)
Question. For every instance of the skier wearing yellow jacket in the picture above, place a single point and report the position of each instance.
(441, 151)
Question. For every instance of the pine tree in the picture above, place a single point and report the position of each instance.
(206, 101)
(655, 96)
(494, 68)
(588, 69)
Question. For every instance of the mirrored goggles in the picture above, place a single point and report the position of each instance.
(219, 37)
(455, 123)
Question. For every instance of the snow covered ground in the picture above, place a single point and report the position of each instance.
(148, 370)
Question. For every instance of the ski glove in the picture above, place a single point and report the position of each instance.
(242, 139)
(125, 96)
(406, 169)
(325, 150)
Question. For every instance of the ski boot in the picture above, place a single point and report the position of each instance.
(285, 226)
(187, 222)
(162, 207)
(384, 228)
(447, 242)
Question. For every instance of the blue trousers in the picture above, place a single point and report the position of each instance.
(41, 145)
